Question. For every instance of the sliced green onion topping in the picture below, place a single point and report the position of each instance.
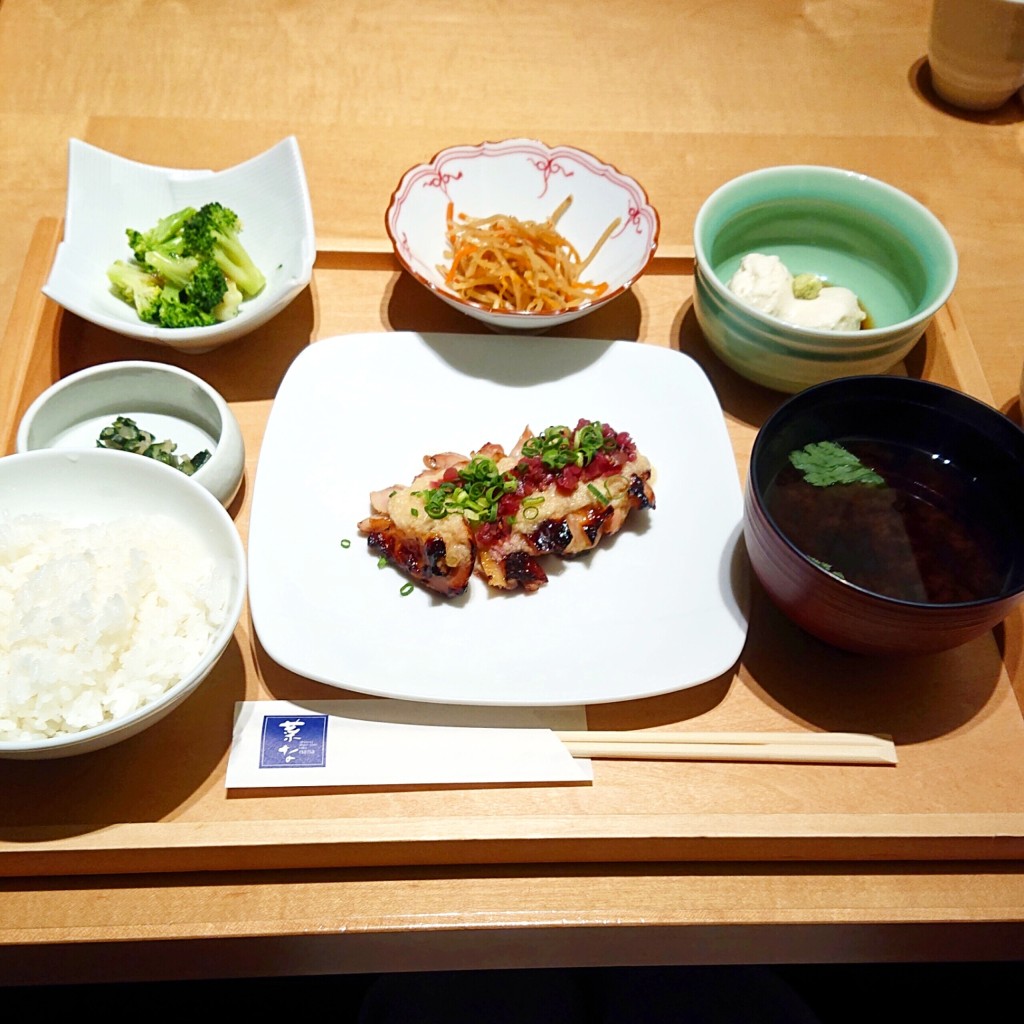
(590, 440)
(557, 447)
(476, 489)
(617, 485)
(475, 495)
(553, 447)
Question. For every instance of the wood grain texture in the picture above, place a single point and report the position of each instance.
(682, 96)
(238, 925)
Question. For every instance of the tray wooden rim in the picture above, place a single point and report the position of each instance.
(260, 845)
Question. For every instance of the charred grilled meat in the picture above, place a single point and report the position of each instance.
(438, 552)
(557, 493)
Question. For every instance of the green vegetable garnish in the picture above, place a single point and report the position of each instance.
(530, 507)
(824, 463)
(552, 447)
(474, 495)
(346, 543)
(190, 270)
(480, 486)
(828, 568)
(557, 447)
(406, 590)
(125, 435)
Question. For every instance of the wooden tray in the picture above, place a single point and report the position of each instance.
(157, 803)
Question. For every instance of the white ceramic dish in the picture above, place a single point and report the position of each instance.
(103, 486)
(523, 178)
(660, 606)
(169, 402)
(108, 194)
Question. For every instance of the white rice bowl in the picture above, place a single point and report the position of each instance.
(121, 582)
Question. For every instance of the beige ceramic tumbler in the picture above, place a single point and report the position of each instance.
(976, 51)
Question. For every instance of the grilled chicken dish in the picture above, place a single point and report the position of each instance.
(556, 493)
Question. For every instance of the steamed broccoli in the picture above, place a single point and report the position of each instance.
(138, 287)
(190, 270)
(207, 286)
(164, 238)
(174, 270)
(176, 311)
(213, 232)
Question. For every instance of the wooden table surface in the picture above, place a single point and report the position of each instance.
(683, 96)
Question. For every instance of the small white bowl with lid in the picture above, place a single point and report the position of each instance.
(168, 402)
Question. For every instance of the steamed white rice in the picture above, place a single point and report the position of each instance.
(97, 620)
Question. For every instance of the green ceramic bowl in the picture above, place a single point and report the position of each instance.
(848, 228)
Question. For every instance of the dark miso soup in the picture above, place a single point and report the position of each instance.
(928, 535)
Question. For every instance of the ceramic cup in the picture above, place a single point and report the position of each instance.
(976, 51)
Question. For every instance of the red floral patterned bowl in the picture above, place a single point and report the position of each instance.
(528, 180)
(924, 561)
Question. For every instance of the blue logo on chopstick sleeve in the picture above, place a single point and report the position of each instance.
(299, 741)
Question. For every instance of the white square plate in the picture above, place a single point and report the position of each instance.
(660, 606)
(108, 194)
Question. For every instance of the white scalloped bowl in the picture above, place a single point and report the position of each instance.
(526, 179)
(108, 194)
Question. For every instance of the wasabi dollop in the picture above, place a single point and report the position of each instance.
(806, 300)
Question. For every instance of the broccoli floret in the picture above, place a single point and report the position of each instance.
(213, 232)
(158, 302)
(166, 237)
(175, 270)
(207, 287)
(175, 312)
(189, 271)
(137, 287)
(200, 282)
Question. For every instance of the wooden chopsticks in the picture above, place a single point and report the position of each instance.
(794, 747)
